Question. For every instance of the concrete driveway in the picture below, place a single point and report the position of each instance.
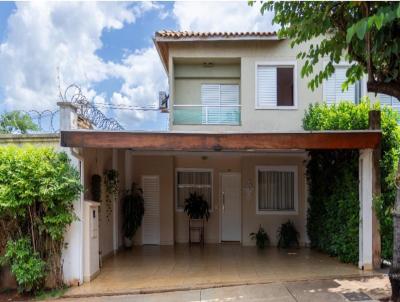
(364, 289)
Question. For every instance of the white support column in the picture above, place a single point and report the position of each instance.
(128, 169)
(115, 204)
(366, 171)
(68, 116)
(72, 255)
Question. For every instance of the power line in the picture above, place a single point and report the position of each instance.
(126, 107)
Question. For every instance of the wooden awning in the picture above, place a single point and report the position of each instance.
(239, 142)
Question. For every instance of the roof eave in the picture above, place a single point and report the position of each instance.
(163, 61)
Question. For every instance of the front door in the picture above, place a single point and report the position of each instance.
(230, 207)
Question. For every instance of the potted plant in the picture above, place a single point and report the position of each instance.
(288, 235)
(261, 238)
(196, 207)
(132, 211)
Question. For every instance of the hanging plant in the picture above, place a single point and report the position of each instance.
(111, 183)
(96, 187)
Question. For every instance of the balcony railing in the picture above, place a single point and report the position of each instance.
(207, 115)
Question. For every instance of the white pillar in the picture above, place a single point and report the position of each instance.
(128, 169)
(68, 116)
(115, 204)
(72, 254)
(366, 212)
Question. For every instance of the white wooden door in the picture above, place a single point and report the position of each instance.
(151, 218)
(231, 207)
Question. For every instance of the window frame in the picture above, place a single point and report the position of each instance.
(177, 170)
(277, 64)
(280, 168)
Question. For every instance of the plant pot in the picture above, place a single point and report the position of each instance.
(128, 242)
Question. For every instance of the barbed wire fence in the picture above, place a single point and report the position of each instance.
(48, 121)
(88, 110)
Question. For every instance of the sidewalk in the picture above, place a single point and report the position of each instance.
(364, 289)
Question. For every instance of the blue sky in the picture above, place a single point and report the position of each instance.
(106, 48)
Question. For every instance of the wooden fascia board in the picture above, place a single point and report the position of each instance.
(142, 141)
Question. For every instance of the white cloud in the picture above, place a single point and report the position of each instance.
(221, 16)
(144, 78)
(45, 36)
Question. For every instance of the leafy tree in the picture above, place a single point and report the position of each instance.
(366, 33)
(16, 122)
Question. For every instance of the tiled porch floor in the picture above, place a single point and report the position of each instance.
(154, 268)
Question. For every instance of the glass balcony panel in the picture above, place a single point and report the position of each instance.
(206, 115)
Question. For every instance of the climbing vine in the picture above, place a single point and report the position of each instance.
(333, 216)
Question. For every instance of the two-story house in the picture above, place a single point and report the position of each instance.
(236, 103)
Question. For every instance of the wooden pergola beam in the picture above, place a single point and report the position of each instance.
(172, 141)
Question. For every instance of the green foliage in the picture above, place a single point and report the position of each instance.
(37, 190)
(364, 33)
(288, 236)
(111, 182)
(16, 122)
(333, 215)
(261, 238)
(26, 265)
(132, 211)
(196, 207)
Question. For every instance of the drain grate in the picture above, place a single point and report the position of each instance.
(357, 296)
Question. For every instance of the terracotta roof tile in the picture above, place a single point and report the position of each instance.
(192, 34)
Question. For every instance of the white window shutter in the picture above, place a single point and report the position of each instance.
(229, 95)
(332, 89)
(329, 90)
(151, 218)
(390, 101)
(350, 93)
(210, 94)
(266, 86)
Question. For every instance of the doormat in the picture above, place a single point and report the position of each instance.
(357, 296)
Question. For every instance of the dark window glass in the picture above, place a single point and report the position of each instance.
(284, 77)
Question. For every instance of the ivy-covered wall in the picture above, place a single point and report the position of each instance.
(333, 216)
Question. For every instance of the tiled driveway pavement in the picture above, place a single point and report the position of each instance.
(163, 268)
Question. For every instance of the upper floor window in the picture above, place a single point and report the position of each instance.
(332, 87)
(275, 86)
(220, 104)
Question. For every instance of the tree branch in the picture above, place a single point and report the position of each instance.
(392, 88)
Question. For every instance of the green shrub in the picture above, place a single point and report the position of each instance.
(333, 216)
(288, 236)
(26, 265)
(261, 237)
(37, 189)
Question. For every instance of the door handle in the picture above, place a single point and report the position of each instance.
(223, 201)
